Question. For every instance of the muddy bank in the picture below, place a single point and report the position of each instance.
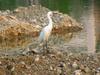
(54, 63)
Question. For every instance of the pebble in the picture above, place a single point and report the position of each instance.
(51, 68)
(77, 72)
(59, 53)
(13, 68)
(22, 62)
(0, 62)
(59, 71)
(10, 67)
(75, 65)
(62, 64)
(37, 58)
(87, 69)
(97, 71)
(28, 67)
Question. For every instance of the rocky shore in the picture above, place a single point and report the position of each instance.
(65, 58)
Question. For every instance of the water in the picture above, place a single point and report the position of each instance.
(78, 9)
(97, 22)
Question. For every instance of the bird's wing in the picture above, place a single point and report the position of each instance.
(41, 36)
(44, 34)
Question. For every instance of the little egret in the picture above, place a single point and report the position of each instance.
(46, 31)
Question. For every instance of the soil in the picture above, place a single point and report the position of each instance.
(52, 63)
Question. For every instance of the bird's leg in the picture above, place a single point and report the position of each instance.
(43, 46)
(46, 45)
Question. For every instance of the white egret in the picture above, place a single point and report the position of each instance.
(46, 31)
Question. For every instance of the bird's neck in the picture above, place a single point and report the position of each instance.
(50, 21)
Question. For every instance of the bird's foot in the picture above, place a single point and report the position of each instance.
(45, 51)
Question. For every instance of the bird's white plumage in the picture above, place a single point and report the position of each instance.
(46, 31)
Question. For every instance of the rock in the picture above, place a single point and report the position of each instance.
(86, 69)
(59, 53)
(13, 68)
(59, 71)
(22, 62)
(61, 64)
(37, 58)
(77, 72)
(82, 67)
(28, 67)
(97, 71)
(27, 50)
(51, 68)
(0, 63)
(10, 67)
(75, 65)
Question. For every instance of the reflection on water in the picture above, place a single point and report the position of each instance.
(97, 22)
(90, 27)
(24, 42)
(58, 39)
(6, 44)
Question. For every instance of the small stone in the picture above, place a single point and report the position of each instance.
(51, 68)
(34, 20)
(26, 51)
(69, 25)
(82, 67)
(0, 62)
(37, 58)
(16, 11)
(59, 53)
(22, 62)
(70, 54)
(10, 67)
(98, 69)
(29, 74)
(77, 72)
(98, 73)
(74, 65)
(62, 64)
(13, 68)
(87, 69)
(28, 67)
(59, 71)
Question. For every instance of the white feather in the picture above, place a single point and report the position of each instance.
(46, 31)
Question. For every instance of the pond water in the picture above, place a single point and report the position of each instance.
(78, 9)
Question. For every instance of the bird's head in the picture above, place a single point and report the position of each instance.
(50, 14)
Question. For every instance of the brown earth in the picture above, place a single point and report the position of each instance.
(54, 63)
